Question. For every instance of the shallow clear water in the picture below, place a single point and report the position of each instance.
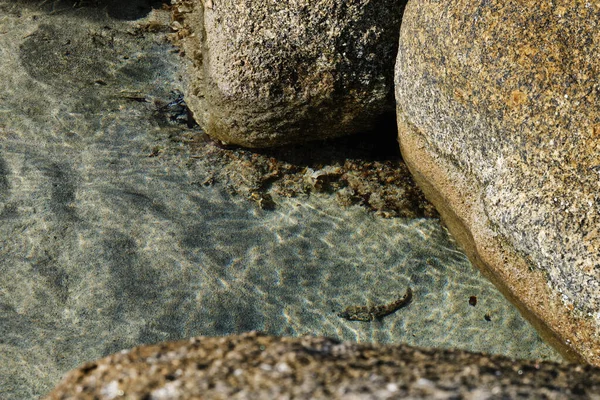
(105, 248)
(147, 257)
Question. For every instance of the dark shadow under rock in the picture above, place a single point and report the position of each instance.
(364, 169)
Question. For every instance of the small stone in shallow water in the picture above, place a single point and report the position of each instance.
(371, 313)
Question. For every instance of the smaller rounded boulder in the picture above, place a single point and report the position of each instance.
(266, 73)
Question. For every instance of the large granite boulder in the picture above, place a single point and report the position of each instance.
(268, 72)
(253, 366)
(499, 116)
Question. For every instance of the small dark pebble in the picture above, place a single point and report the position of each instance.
(472, 300)
(487, 317)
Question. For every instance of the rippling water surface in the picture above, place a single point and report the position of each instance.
(105, 248)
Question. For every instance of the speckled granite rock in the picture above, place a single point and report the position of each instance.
(263, 367)
(499, 116)
(266, 73)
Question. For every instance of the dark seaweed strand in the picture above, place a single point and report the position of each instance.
(366, 313)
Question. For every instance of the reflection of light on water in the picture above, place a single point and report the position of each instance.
(209, 264)
(146, 254)
(327, 214)
(364, 260)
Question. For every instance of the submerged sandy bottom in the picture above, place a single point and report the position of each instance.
(105, 248)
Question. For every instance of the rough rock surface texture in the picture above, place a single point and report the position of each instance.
(263, 367)
(499, 116)
(265, 73)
